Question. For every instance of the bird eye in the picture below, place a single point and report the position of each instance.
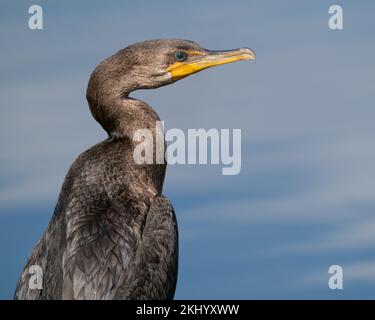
(180, 56)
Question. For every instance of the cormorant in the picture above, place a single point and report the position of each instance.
(113, 235)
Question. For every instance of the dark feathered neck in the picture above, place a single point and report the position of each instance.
(108, 97)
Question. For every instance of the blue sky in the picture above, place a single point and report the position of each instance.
(305, 198)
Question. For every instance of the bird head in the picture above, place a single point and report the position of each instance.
(146, 65)
(154, 63)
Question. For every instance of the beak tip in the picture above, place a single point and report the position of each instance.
(249, 52)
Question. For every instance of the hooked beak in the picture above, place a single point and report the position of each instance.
(198, 61)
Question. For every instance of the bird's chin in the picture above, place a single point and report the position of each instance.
(163, 79)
